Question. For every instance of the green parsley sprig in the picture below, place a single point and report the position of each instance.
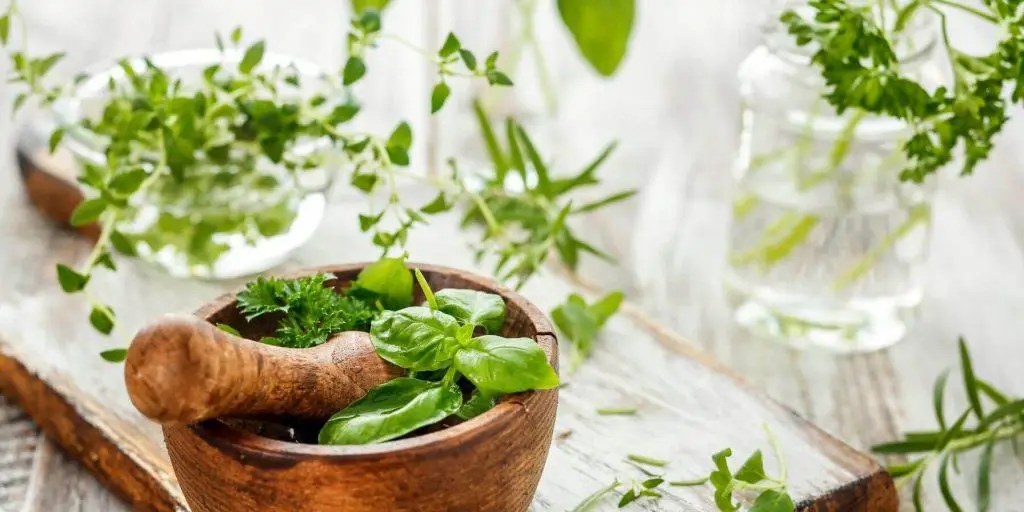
(855, 51)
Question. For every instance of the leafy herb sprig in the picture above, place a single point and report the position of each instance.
(991, 417)
(437, 343)
(580, 323)
(855, 51)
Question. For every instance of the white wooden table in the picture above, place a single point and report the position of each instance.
(675, 110)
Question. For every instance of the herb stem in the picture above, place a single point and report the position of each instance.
(649, 461)
(965, 8)
(621, 411)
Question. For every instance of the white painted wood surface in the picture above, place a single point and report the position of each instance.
(674, 108)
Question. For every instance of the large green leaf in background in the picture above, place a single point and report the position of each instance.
(601, 29)
(359, 6)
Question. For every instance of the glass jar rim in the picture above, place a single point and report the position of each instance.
(89, 146)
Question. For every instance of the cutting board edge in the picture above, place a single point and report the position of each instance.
(85, 440)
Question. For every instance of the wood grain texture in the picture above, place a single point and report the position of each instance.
(181, 369)
(499, 454)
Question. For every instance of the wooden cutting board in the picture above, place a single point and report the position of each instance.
(688, 406)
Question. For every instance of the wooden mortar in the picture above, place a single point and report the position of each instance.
(490, 463)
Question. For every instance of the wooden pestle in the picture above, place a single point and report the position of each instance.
(182, 369)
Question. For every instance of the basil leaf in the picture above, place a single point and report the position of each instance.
(601, 30)
(472, 307)
(416, 338)
(392, 410)
(479, 402)
(505, 365)
(389, 280)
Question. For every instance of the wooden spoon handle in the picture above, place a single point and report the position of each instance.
(181, 369)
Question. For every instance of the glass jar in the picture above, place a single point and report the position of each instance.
(252, 213)
(826, 245)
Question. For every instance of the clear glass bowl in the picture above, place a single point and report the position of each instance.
(173, 230)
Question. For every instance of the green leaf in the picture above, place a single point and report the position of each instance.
(19, 101)
(398, 156)
(228, 329)
(369, 21)
(5, 28)
(580, 323)
(985, 477)
(947, 493)
(468, 59)
(773, 501)
(368, 221)
(392, 410)
(416, 338)
(938, 392)
(491, 60)
(969, 382)
(354, 69)
(479, 402)
(987, 389)
(116, 355)
(389, 280)
(438, 205)
(490, 141)
(450, 46)
(88, 211)
(917, 493)
(1013, 408)
(439, 96)
(102, 319)
(647, 461)
(505, 365)
(364, 182)
(105, 260)
(515, 156)
(591, 501)
(495, 77)
(236, 35)
(601, 30)
(425, 287)
(543, 177)
(360, 6)
(752, 471)
(903, 447)
(401, 137)
(127, 183)
(628, 497)
(70, 281)
(253, 56)
(55, 139)
(905, 15)
(473, 307)
(601, 203)
(721, 479)
(122, 244)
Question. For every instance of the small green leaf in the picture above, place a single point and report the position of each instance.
(105, 260)
(491, 60)
(773, 501)
(479, 402)
(969, 382)
(343, 114)
(228, 329)
(903, 447)
(617, 411)
(439, 96)
(752, 471)
(473, 307)
(392, 410)
(398, 156)
(19, 101)
(236, 35)
(127, 183)
(985, 477)
(5, 28)
(1013, 408)
(601, 30)
(253, 56)
(591, 501)
(416, 338)
(55, 139)
(389, 280)
(438, 205)
(401, 137)
(364, 182)
(450, 46)
(647, 461)
(102, 319)
(70, 281)
(369, 21)
(355, 68)
(938, 393)
(122, 244)
(495, 77)
(88, 211)
(368, 221)
(947, 493)
(468, 59)
(116, 355)
(628, 497)
(425, 287)
(917, 493)
(490, 141)
(505, 365)
(601, 203)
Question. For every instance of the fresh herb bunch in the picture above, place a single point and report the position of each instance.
(974, 428)
(524, 209)
(437, 343)
(236, 132)
(763, 492)
(855, 50)
(580, 323)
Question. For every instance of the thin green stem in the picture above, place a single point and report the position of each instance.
(966, 8)
(918, 215)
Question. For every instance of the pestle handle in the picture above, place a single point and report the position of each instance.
(182, 369)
